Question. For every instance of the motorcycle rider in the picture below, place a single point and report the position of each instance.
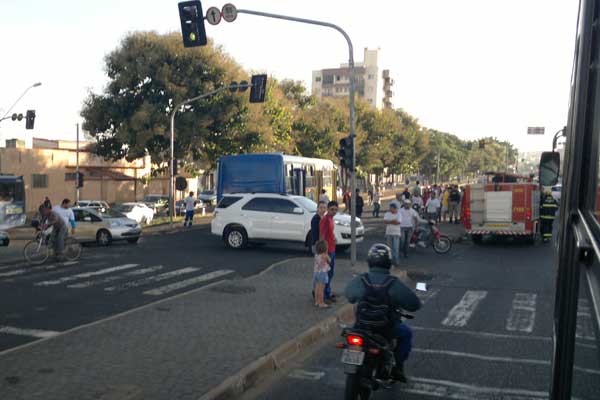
(398, 296)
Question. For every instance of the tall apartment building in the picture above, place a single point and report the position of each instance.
(335, 82)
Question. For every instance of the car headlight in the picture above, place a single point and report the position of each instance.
(342, 223)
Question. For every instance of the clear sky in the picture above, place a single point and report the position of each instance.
(473, 68)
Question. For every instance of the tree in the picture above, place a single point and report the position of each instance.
(150, 73)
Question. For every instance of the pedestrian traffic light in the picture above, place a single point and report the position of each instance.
(258, 89)
(346, 153)
(29, 119)
(79, 179)
(482, 144)
(174, 161)
(192, 23)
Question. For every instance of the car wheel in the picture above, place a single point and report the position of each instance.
(236, 238)
(103, 237)
(133, 240)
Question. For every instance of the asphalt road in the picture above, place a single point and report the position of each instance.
(36, 302)
(485, 332)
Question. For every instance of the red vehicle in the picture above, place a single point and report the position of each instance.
(503, 205)
(441, 243)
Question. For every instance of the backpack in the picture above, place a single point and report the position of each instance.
(374, 311)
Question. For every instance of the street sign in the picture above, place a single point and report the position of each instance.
(229, 12)
(535, 130)
(213, 15)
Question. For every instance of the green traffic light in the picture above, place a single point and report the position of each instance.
(192, 36)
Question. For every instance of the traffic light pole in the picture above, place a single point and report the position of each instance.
(172, 150)
(351, 104)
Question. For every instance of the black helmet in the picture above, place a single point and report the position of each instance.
(380, 255)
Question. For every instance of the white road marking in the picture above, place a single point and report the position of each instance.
(27, 332)
(109, 279)
(188, 282)
(306, 375)
(26, 270)
(455, 390)
(85, 275)
(460, 314)
(499, 359)
(151, 279)
(585, 326)
(522, 314)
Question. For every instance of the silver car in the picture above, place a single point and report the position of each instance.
(103, 227)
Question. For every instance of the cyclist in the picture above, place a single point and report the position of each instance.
(66, 213)
(59, 231)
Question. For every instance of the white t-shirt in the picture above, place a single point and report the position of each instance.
(189, 203)
(407, 217)
(418, 200)
(324, 198)
(433, 205)
(389, 228)
(66, 214)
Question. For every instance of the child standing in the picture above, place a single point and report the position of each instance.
(320, 277)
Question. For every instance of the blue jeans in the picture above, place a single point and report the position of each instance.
(330, 274)
(394, 242)
(189, 216)
(404, 334)
(405, 235)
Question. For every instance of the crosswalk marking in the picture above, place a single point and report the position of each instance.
(455, 390)
(460, 314)
(585, 326)
(37, 333)
(522, 314)
(188, 282)
(85, 275)
(29, 270)
(109, 279)
(151, 279)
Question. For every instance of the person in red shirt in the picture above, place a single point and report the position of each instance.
(326, 233)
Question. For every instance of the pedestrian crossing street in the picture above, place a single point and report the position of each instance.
(153, 280)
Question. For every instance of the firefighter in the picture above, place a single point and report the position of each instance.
(548, 208)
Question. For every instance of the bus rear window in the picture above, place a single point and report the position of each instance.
(226, 201)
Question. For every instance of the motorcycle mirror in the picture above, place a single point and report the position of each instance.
(421, 286)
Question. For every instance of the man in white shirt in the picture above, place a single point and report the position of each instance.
(417, 200)
(66, 214)
(190, 204)
(392, 221)
(433, 207)
(324, 197)
(408, 221)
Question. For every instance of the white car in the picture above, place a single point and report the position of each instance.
(95, 204)
(208, 196)
(242, 218)
(138, 212)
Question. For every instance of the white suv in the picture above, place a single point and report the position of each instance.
(240, 218)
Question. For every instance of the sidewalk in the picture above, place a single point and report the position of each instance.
(178, 348)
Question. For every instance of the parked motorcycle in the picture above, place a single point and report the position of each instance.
(440, 242)
(368, 360)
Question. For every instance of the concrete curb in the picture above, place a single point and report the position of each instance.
(275, 360)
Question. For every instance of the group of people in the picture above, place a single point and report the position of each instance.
(60, 219)
(436, 202)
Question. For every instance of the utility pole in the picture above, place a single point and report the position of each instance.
(437, 171)
(77, 167)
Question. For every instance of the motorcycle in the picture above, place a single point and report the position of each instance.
(440, 242)
(368, 360)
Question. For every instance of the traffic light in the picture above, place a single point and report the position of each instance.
(346, 152)
(29, 119)
(174, 167)
(258, 89)
(79, 179)
(192, 23)
(16, 116)
(482, 144)
(469, 146)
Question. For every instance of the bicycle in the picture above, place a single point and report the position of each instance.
(37, 251)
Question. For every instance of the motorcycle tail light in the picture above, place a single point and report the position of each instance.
(354, 340)
(374, 351)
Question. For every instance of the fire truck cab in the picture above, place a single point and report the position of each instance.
(501, 204)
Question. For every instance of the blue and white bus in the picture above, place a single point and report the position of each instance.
(275, 173)
(12, 202)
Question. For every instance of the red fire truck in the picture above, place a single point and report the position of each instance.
(502, 204)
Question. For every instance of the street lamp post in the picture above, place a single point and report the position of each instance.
(172, 150)
(351, 105)
(20, 97)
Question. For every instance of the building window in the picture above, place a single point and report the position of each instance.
(70, 176)
(318, 79)
(370, 76)
(40, 180)
(337, 78)
(327, 79)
